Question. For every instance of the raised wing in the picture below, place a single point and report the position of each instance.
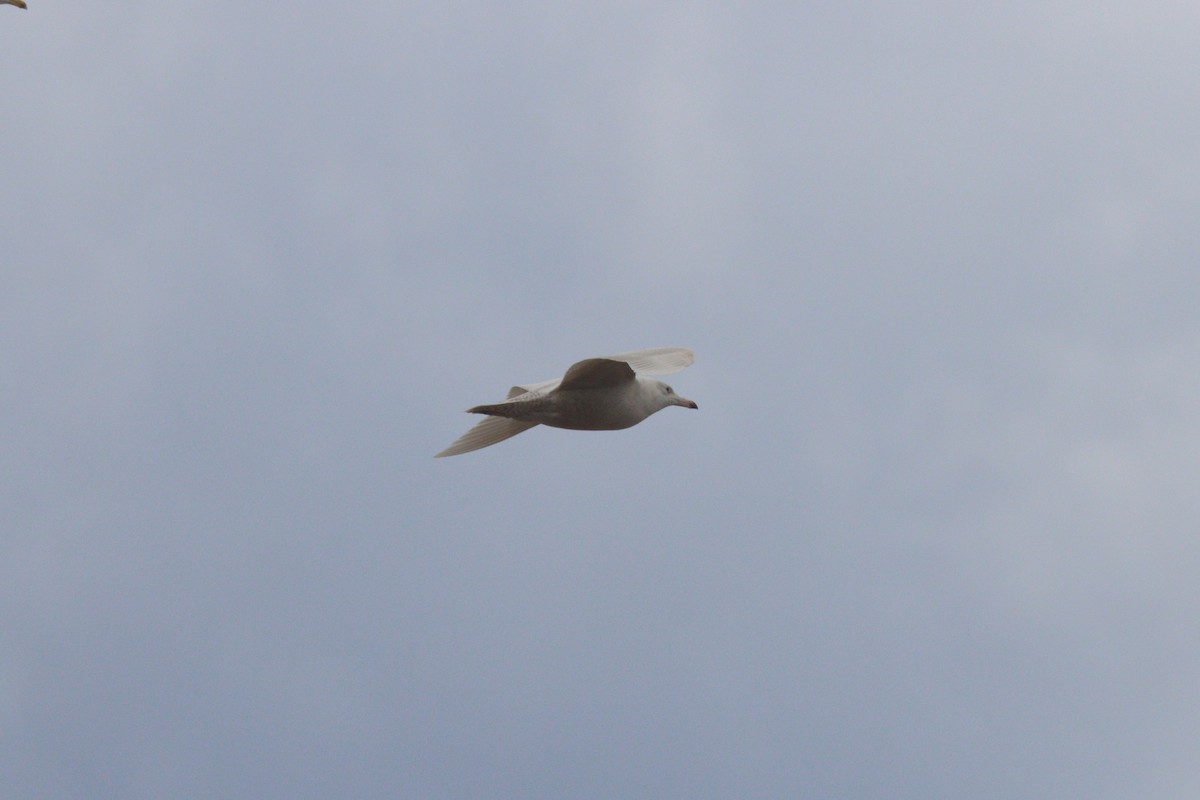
(488, 432)
(596, 373)
(657, 360)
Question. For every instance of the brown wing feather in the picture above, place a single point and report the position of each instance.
(595, 373)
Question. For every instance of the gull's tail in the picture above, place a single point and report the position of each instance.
(488, 432)
(516, 407)
(510, 410)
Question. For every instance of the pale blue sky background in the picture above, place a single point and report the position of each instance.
(931, 534)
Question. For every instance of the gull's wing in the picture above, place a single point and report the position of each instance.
(595, 373)
(656, 360)
(488, 432)
(495, 429)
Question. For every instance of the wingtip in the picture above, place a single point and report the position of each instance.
(486, 433)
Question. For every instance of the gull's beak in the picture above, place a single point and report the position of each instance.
(683, 401)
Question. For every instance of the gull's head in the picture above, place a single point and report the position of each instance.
(669, 398)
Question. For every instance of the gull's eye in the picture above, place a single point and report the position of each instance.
(670, 390)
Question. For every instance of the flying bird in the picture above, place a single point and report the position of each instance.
(596, 394)
(17, 3)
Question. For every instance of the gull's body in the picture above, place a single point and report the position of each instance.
(596, 394)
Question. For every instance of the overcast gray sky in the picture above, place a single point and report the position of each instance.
(931, 534)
